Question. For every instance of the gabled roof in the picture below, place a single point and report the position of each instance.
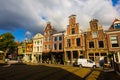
(116, 20)
(38, 35)
(48, 26)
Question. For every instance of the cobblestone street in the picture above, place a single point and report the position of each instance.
(52, 72)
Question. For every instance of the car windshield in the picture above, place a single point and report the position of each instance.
(90, 61)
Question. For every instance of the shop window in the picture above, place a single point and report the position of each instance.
(96, 54)
(103, 54)
(91, 54)
(75, 54)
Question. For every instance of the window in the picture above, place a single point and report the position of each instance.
(48, 32)
(48, 46)
(73, 30)
(41, 41)
(91, 54)
(37, 49)
(55, 46)
(48, 39)
(45, 39)
(91, 44)
(68, 43)
(60, 46)
(55, 38)
(114, 41)
(94, 34)
(96, 54)
(45, 46)
(103, 54)
(37, 42)
(117, 25)
(40, 47)
(78, 41)
(101, 44)
(60, 38)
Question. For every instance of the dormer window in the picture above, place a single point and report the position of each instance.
(117, 25)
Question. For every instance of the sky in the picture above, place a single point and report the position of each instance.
(25, 18)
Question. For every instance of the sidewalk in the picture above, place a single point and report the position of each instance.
(103, 74)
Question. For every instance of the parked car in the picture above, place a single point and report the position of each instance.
(85, 63)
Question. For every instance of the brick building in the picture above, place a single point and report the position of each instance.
(58, 47)
(28, 51)
(48, 41)
(113, 37)
(74, 45)
(96, 42)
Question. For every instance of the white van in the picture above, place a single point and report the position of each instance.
(85, 63)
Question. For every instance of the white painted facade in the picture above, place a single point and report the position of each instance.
(37, 48)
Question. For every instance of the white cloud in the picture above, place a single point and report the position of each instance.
(28, 35)
(32, 15)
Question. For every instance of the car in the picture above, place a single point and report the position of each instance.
(85, 63)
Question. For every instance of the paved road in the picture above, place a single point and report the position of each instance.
(45, 72)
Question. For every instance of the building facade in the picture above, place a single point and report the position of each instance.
(74, 45)
(21, 49)
(58, 47)
(96, 42)
(48, 42)
(113, 38)
(37, 48)
(29, 51)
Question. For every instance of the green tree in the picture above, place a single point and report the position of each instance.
(7, 42)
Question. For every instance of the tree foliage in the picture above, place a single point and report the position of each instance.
(7, 42)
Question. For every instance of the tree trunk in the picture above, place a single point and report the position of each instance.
(6, 51)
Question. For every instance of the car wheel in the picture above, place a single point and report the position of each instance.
(94, 66)
(80, 65)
